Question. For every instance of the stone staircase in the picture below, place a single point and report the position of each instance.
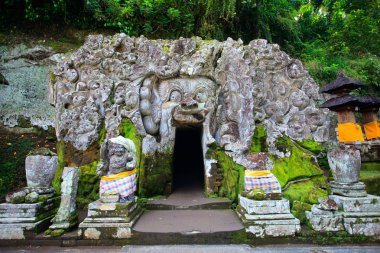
(185, 217)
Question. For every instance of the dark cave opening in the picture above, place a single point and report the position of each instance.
(188, 160)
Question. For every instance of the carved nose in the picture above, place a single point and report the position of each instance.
(189, 102)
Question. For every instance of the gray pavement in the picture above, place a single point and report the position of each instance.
(188, 221)
(200, 249)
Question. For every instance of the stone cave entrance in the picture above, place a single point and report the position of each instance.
(188, 173)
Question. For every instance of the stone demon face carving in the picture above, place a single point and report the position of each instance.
(195, 98)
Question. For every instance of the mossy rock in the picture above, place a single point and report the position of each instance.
(88, 185)
(298, 210)
(259, 140)
(299, 164)
(41, 151)
(128, 130)
(307, 192)
(56, 183)
(233, 173)
(312, 146)
(57, 232)
(156, 174)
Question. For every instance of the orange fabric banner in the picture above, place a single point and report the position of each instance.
(350, 132)
(372, 130)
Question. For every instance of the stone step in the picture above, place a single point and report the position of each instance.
(187, 222)
(187, 200)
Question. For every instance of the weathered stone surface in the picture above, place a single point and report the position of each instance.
(267, 218)
(354, 190)
(264, 206)
(277, 230)
(370, 203)
(40, 170)
(24, 230)
(345, 163)
(158, 85)
(109, 220)
(110, 198)
(16, 197)
(67, 215)
(362, 226)
(32, 197)
(25, 96)
(325, 222)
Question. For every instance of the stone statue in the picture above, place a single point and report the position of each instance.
(117, 169)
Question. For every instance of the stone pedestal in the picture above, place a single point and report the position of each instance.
(109, 220)
(358, 216)
(25, 221)
(356, 189)
(267, 217)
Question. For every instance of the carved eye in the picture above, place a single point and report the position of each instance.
(175, 96)
(201, 97)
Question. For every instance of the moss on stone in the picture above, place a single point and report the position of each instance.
(88, 184)
(128, 130)
(259, 140)
(156, 174)
(307, 192)
(57, 232)
(233, 173)
(313, 146)
(298, 210)
(18, 200)
(102, 133)
(298, 165)
(61, 164)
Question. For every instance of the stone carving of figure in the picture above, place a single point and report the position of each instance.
(117, 168)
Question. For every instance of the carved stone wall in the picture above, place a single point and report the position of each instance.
(225, 87)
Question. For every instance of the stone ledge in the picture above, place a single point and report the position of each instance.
(264, 206)
(370, 203)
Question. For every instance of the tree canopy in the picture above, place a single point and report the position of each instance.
(328, 35)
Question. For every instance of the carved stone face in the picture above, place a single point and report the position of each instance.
(193, 96)
(118, 158)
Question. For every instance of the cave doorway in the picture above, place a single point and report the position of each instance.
(188, 174)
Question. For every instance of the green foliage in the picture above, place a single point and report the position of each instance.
(12, 164)
(298, 210)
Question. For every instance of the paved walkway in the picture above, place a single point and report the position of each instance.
(188, 221)
(199, 249)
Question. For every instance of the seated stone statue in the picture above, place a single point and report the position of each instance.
(117, 169)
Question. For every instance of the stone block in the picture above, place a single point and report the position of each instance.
(325, 223)
(109, 228)
(370, 203)
(353, 190)
(272, 225)
(28, 230)
(317, 211)
(278, 230)
(264, 206)
(369, 226)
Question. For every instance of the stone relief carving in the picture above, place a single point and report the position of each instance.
(226, 87)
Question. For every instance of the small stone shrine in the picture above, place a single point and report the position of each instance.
(349, 207)
(261, 209)
(113, 215)
(29, 211)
